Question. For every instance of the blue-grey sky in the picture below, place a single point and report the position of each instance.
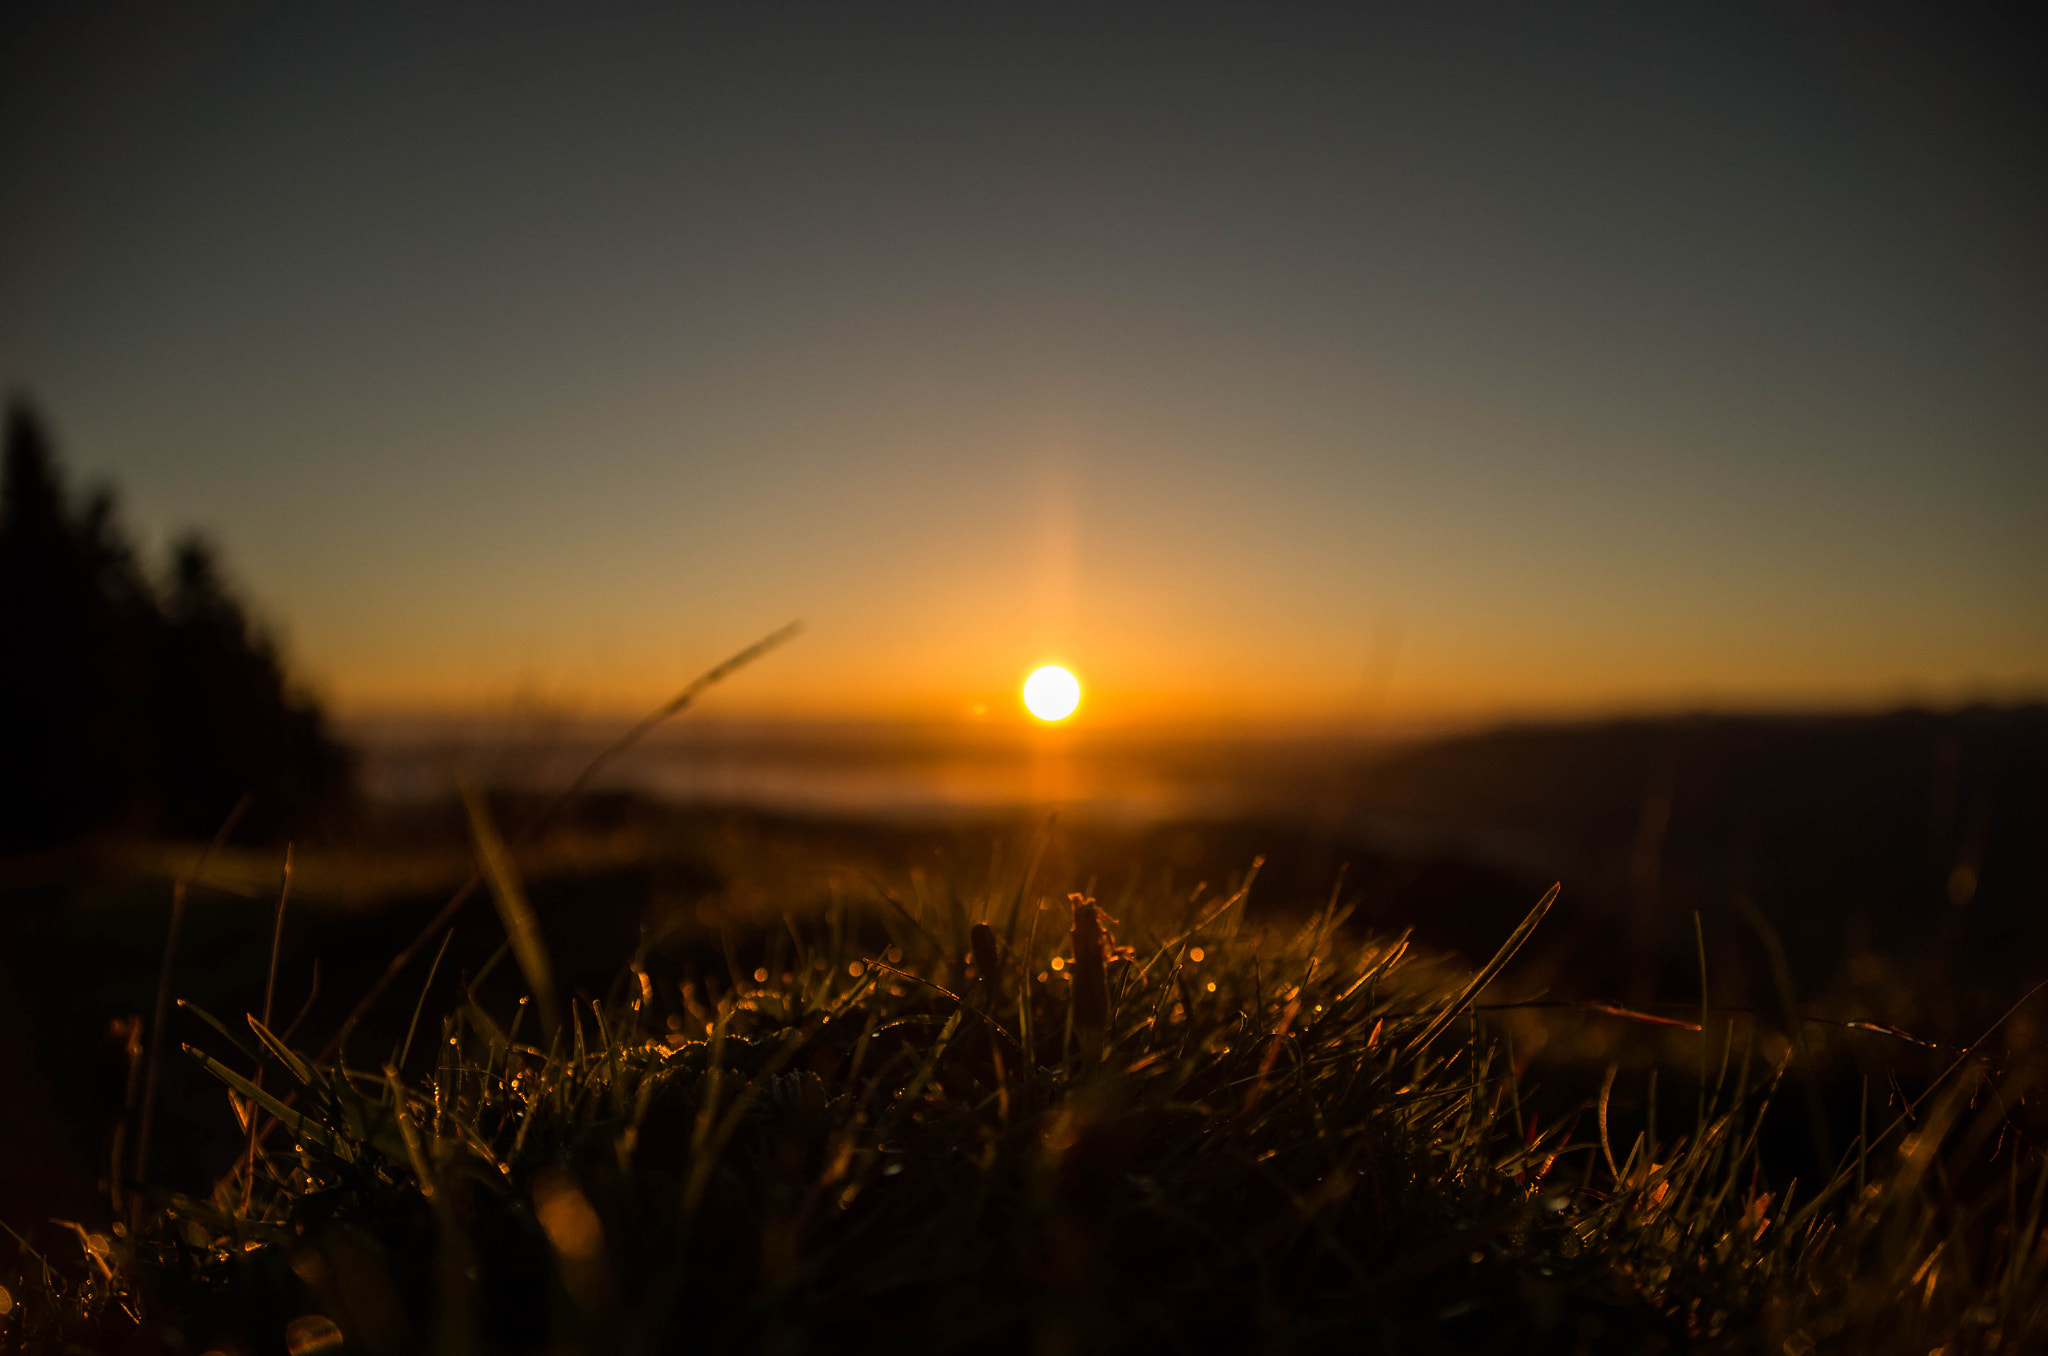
(1259, 362)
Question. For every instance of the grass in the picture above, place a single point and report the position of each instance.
(1004, 1121)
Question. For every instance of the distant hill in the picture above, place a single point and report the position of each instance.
(1894, 852)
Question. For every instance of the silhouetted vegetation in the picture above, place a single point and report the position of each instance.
(972, 1122)
(128, 702)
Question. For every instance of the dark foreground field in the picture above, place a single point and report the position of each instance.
(789, 1103)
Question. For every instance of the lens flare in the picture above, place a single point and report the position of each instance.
(1052, 693)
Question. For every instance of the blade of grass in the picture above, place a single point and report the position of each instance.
(412, 1027)
(675, 705)
(298, 1122)
(1486, 973)
(1699, 937)
(179, 889)
(1795, 1028)
(284, 893)
(522, 928)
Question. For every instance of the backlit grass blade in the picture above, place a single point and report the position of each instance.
(1493, 967)
(299, 1123)
(521, 926)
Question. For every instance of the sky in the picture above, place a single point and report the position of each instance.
(1265, 364)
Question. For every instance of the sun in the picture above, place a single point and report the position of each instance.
(1051, 693)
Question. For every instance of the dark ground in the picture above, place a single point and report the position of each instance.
(1901, 860)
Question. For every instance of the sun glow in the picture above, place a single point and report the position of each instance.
(1051, 693)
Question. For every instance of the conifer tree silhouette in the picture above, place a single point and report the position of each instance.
(225, 717)
(123, 709)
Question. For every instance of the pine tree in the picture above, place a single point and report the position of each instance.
(226, 718)
(123, 706)
(74, 616)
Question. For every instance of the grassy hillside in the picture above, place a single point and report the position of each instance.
(987, 1116)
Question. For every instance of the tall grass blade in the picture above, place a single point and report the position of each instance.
(1487, 972)
(521, 926)
(675, 705)
(161, 1012)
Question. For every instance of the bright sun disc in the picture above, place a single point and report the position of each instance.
(1051, 693)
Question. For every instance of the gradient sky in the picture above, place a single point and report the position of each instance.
(1267, 363)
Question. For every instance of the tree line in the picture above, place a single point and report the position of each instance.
(135, 700)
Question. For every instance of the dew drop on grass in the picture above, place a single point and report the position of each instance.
(6, 1300)
(761, 975)
(1196, 954)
